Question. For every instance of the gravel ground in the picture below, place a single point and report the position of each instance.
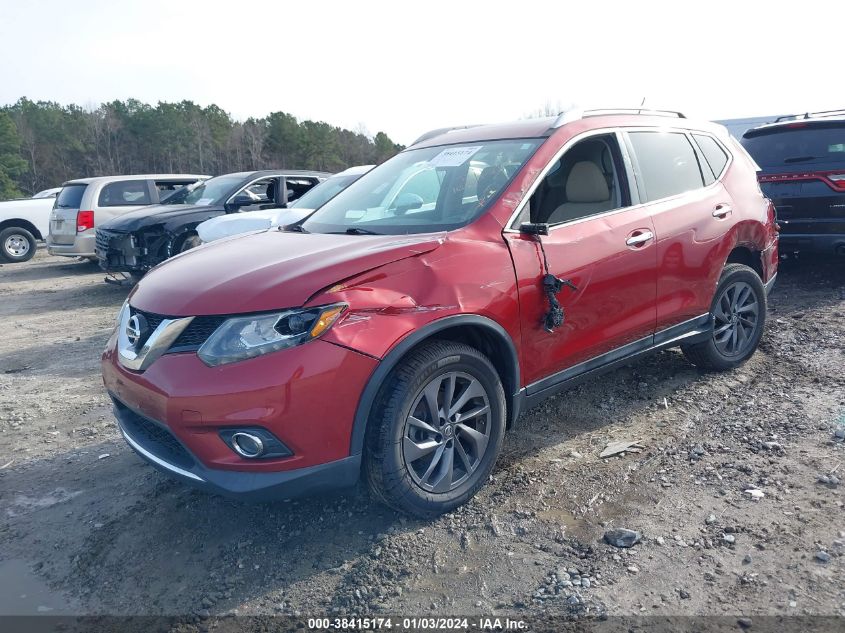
(737, 493)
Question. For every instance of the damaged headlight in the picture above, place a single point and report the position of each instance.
(245, 337)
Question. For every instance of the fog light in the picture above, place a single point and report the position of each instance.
(254, 442)
(247, 445)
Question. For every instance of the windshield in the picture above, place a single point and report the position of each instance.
(70, 196)
(213, 191)
(425, 190)
(797, 146)
(322, 193)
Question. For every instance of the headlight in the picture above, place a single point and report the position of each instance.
(245, 337)
(123, 308)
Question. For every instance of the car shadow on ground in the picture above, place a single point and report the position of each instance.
(47, 268)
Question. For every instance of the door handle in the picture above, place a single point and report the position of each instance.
(640, 238)
(722, 211)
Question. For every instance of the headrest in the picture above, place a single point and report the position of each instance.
(586, 183)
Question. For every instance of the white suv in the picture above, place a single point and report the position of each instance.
(84, 203)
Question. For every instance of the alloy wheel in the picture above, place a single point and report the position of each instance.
(16, 245)
(737, 314)
(447, 432)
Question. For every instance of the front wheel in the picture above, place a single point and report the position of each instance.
(739, 316)
(436, 429)
(16, 244)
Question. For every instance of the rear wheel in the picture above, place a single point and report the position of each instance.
(739, 317)
(17, 244)
(436, 430)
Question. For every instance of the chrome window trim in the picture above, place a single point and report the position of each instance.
(155, 346)
(157, 460)
(617, 130)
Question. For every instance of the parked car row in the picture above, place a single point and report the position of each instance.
(136, 241)
(397, 331)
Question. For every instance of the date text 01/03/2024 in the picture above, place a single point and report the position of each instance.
(418, 623)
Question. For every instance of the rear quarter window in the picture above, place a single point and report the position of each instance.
(667, 164)
(125, 193)
(713, 153)
(70, 197)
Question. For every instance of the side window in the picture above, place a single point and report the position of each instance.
(167, 188)
(587, 180)
(298, 186)
(256, 195)
(713, 152)
(125, 193)
(667, 164)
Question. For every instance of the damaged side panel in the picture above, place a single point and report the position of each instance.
(463, 276)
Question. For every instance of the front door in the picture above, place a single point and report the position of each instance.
(603, 245)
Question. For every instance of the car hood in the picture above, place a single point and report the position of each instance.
(267, 271)
(237, 223)
(155, 214)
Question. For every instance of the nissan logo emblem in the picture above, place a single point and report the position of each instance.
(136, 329)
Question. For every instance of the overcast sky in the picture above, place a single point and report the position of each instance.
(406, 67)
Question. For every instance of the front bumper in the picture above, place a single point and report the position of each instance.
(172, 414)
(177, 462)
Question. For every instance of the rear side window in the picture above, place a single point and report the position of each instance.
(797, 145)
(667, 165)
(713, 152)
(70, 197)
(125, 193)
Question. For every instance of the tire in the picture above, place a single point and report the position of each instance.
(17, 244)
(407, 463)
(740, 298)
(192, 241)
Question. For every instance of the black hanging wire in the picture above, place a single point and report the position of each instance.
(551, 286)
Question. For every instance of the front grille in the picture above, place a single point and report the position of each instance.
(192, 337)
(198, 331)
(153, 437)
(104, 239)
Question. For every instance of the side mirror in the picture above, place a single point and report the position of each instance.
(534, 228)
(407, 201)
(240, 200)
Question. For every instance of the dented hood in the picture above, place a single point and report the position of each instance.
(267, 271)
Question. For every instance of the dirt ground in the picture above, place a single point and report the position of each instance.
(86, 527)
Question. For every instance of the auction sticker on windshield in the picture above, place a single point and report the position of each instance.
(454, 156)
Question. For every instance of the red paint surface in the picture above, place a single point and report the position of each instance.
(396, 284)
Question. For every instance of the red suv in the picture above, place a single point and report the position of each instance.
(399, 330)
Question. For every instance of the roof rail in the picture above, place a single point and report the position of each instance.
(809, 115)
(573, 115)
(442, 130)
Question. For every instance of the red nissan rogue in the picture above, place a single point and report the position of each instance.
(398, 331)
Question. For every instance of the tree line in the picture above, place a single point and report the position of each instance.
(43, 143)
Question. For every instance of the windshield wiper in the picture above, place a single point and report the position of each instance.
(354, 230)
(799, 159)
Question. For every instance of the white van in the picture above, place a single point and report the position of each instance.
(84, 203)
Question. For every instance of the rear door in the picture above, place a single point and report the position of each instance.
(602, 243)
(121, 196)
(692, 213)
(63, 216)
